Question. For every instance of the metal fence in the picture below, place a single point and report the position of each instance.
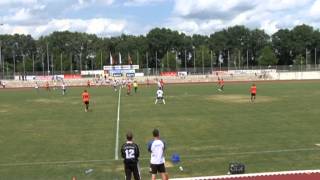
(8, 73)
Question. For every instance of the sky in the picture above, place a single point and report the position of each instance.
(107, 18)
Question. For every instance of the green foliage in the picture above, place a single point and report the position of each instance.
(267, 57)
(299, 60)
(95, 51)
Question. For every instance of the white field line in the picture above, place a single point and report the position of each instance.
(281, 173)
(146, 158)
(116, 148)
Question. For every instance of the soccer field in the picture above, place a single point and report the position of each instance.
(44, 135)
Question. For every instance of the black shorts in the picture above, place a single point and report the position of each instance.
(159, 97)
(157, 168)
(253, 94)
(86, 102)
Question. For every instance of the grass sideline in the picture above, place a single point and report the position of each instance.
(49, 136)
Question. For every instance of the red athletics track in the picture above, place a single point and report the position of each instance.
(288, 175)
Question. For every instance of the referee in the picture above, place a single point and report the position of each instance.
(130, 153)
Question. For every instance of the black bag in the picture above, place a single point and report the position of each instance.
(236, 168)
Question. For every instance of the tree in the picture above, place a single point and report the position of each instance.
(267, 57)
(299, 60)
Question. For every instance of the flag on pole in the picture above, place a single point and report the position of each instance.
(120, 58)
(220, 58)
(129, 59)
(111, 59)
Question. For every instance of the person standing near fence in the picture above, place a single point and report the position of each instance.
(130, 153)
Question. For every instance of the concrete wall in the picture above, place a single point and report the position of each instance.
(295, 75)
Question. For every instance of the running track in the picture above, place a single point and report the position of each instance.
(288, 175)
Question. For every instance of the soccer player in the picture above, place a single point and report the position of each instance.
(115, 84)
(135, 85)
(159, 84)
(160, 96)
(221, 84)
(129, 88)
(130, 153)
(253, 91)
(36, 86)
(4, 84)
(47, 86)
(85, 100)
(88, 84)
(162, 84)
(218, 84)
(63, 87)
(157, 148)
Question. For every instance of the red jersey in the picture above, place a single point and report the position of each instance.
(253, 89)
(161, 83)
(85, 96)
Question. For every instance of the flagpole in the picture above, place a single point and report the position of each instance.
(315, 57)
(138, 58)
(156, 62)
(101, 60)
(48, 59)
(228, 59)
(71, 56)
(33, 64)
(52, 66)
(202, 60)
(211, 58)
(185, 60)
(167, 61)
(247, 59)
(176, 60)
(194, 61)
(147, 63)
(306, 57)
(60, 63)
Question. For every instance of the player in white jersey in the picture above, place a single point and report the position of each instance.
(157, 147)
(64, 89)
(36, 86)
(160, 96)
(115, 85)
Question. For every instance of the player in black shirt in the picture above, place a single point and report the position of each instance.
(130, 154)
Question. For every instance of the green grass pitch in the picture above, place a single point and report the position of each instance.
(44, 135)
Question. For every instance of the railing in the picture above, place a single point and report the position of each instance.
(9, 74)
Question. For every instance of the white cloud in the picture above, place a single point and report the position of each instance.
(20, 15)
(141, 2)
(80, 4)
(315, 9)
(12, 2)
(269, 15)
(99, 26)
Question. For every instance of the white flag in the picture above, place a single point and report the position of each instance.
(220, 59)
(111, 60)
(120, 58)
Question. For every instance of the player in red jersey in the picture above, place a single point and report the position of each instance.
(253, 91)
(162, 84)
(129, 88)
(85, 100)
